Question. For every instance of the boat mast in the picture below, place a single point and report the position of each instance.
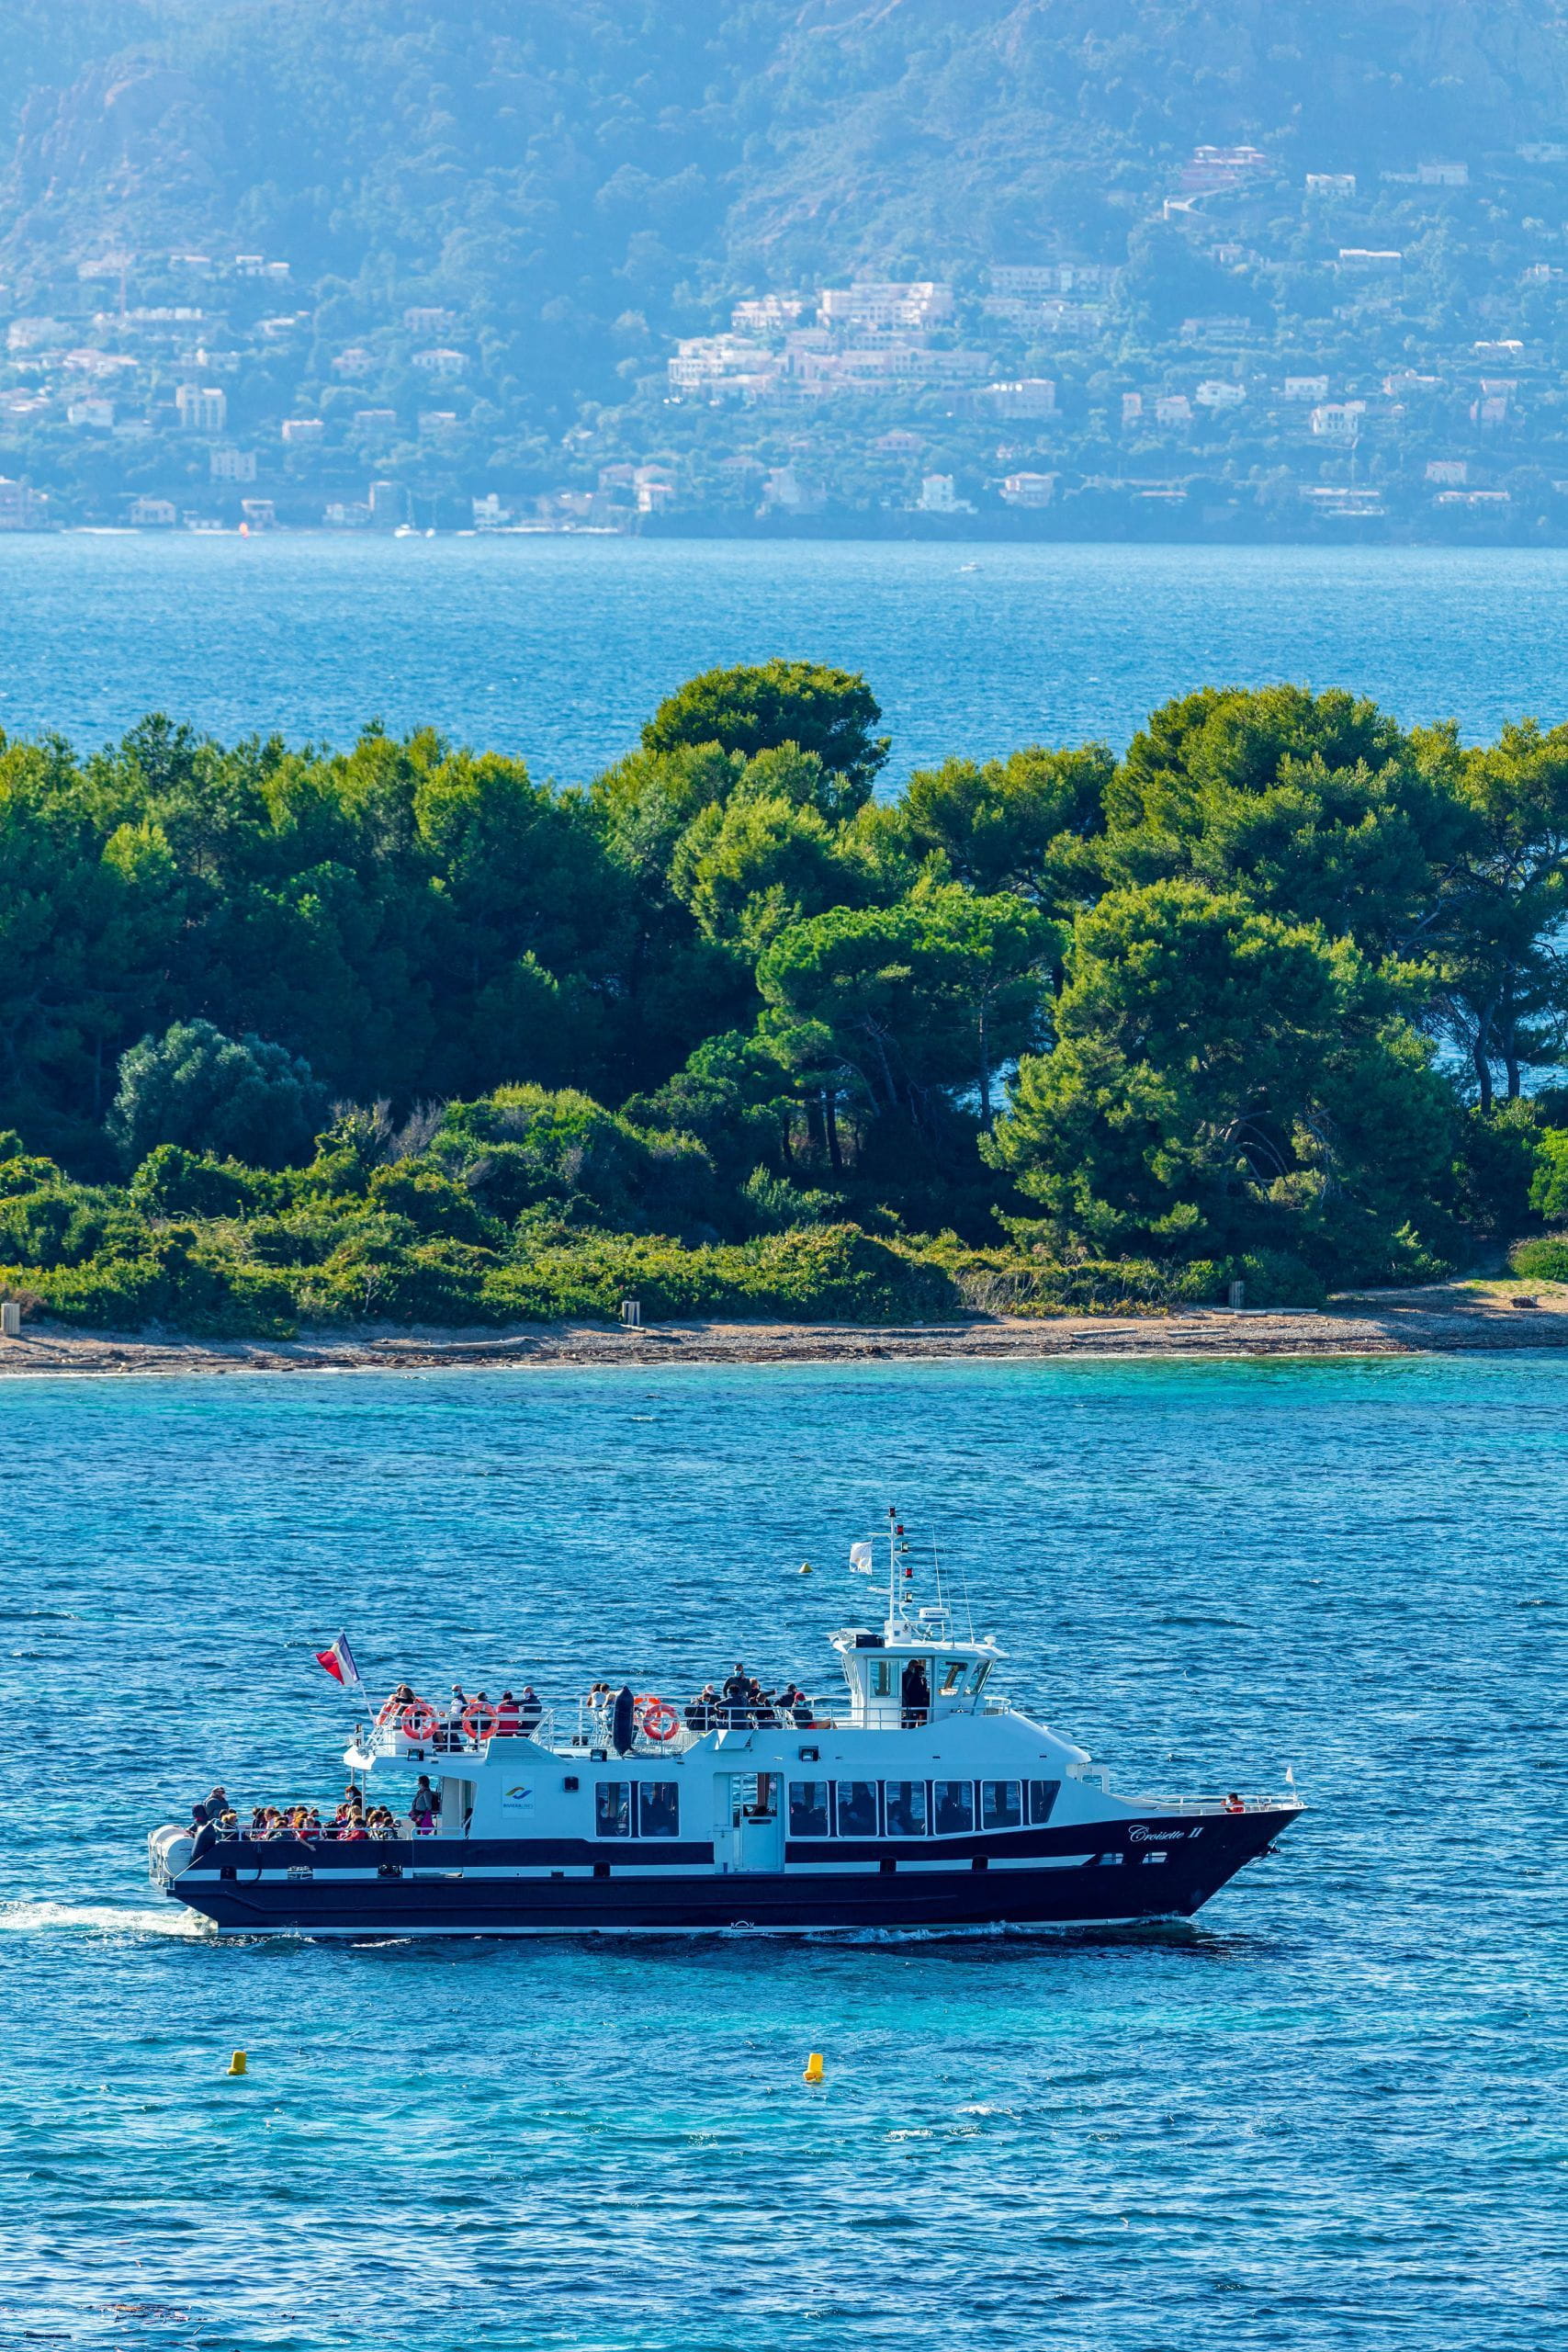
(890, 1630)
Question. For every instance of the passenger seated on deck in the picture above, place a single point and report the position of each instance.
(380, 1822)
(260, 1818)
(530, 1709)
(393, 1706)
(508, 1716)
(701, 1713)
(802, 1713)
(1233, 1803)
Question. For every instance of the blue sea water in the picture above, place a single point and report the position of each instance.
(1328, 2114)
(557, 649)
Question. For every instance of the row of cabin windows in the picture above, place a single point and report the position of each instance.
(916, 1808)
(636, 1808)
(948, 1679)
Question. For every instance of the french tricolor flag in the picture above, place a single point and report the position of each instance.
(339, 1663)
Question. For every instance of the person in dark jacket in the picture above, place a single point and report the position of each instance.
(530, 1711)
(623, 1721)
(915, 1692)
(736, 1694)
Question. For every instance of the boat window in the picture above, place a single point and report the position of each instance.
(906, 1803)
(882, 1679)
(659, 1808)
(1043, 1795)
(857, 1808)
(952, 1676)
(808, 1809)
(977, 1680)
(613, 1809)
(999, 1805)
(953, 1807)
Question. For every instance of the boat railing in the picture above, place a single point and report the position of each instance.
(1234, 1803)
(573, 1725)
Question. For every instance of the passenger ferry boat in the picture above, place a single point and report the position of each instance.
(923, 1799)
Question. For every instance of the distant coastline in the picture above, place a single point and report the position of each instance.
(1445, 1319)
(1166, 525)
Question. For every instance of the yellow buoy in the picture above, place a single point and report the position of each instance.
(236, 2064)
(814, 2067)
(805, 1568)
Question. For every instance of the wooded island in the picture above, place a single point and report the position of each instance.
(397, 1034)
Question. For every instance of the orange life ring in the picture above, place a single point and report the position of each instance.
(656, 1718)
(474, 1715)
(419, 1720)
(387, 1711)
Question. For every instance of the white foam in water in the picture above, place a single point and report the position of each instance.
(42, 1918)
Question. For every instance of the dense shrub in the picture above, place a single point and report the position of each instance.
(1544, 1260)
(173, 1181)
(195, 1087)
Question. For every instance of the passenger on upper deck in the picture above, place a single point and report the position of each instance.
(507, 1716)
(915, 1694)
(530, 1711)
(737, 1697)
(701, 1713)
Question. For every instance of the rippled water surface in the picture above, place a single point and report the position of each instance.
(1330, 2113)
(559, 648)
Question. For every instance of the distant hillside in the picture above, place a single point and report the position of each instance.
(573, 187)
(437, 139)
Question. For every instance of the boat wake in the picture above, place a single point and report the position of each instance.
(44, 1918)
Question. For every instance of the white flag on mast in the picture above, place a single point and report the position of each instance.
(860, 1558)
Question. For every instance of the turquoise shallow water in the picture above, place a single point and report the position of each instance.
(559, 648)
(1330, 2113)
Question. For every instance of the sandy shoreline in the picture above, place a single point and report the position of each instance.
(1439, 1320)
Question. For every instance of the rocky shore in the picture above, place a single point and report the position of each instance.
(1441, 1319)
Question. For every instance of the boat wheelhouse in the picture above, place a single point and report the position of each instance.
(923, 1799)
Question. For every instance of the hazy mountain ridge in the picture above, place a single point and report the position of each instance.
(812, 134)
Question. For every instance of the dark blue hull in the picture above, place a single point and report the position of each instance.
(1085, 1875)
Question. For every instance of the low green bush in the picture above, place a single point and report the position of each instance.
(1545, 1259)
